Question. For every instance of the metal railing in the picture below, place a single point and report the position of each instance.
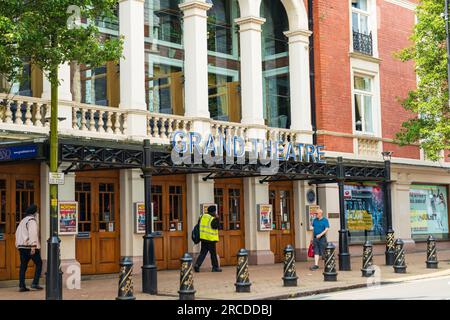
(363, 43)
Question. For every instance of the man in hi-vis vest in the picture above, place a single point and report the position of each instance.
(209, 235)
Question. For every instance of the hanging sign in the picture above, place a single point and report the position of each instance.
(56, 178)
(67, 217)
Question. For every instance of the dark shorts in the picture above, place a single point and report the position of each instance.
(320, 245)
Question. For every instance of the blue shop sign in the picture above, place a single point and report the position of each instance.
(18, 152)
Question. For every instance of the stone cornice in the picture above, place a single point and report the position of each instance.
(250, 19)
(195, 5)
(300, 32)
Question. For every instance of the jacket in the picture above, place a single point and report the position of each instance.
(27, 233)
(209, 226)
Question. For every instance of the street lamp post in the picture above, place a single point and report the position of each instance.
(344, 255)
(149, 272)
(390, 248)
(53, 279)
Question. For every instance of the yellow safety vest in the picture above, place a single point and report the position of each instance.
(206, 230)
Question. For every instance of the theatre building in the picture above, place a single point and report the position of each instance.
(318, 79)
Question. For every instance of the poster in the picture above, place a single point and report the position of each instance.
(264, 217)
(364, 208)
(311, 214)
(139, 217)
(428, 210)
(67, 217)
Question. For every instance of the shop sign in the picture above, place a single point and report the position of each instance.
(210, 147)
(264, 217)
(18, 152)
(67, 217)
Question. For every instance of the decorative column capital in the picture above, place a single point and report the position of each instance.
(250, 23)
(299, 35)
(197, 7)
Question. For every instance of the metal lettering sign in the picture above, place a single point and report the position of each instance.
(18, 152)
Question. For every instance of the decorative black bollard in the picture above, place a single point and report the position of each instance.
(367, 263)
(432, 261)
(242, 277)
(390, 248)
(126, 280)
(186, 291)
(289, 273)
(399, 261)
(330, 273)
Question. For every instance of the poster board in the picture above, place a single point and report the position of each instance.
(67, 217)
(265, 217)
(311, 211)
(139, 217)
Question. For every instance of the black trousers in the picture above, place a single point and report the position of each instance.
(208, 246)
(25, 256)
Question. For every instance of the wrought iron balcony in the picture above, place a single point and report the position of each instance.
(363, 43)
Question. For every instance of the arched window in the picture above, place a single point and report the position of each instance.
(275, 64)
(223, 61)
(164, 56)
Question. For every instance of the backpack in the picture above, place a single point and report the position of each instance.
(196, 233)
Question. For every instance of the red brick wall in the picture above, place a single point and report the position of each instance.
(397, 78)
(332, 67)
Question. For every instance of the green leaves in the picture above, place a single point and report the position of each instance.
(430, 101)
(43, 31)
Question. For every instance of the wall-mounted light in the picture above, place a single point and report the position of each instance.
(387, 155)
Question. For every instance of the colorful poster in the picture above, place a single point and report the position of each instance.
(364, 208)
(311, 212)
(139, 216)
(68, 217)
(265, 217)
(428, 210)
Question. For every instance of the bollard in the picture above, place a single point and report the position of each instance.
(399, 261)
(367, 262)
(289, 274)
(186, 291)
(432, 261)
(126, 280)
(330, 273)
(390, 248)
(242, 277)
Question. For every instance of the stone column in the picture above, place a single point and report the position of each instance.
(197, 192)
(299, 82)
(69, 264)
(302, 235)
(131, 191)
(132, 67)
(196, 63)
(251, 70)
(64, 97)
(257, 242)
(401, 217)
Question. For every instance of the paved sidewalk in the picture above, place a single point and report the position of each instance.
(266, 281)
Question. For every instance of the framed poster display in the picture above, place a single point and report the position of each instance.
(139, 217)
(67, 217)
(311, 211)
(264, 217)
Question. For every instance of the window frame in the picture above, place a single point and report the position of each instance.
(363, 93)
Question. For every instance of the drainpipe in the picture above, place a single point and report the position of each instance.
(312, 71)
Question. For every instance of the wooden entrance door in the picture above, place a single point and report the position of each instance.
(17, 192)
(229, 197)
(98, 239)
(169, 212)
(280, 196)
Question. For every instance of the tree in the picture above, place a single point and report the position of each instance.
(430, 101)
(46, 33)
